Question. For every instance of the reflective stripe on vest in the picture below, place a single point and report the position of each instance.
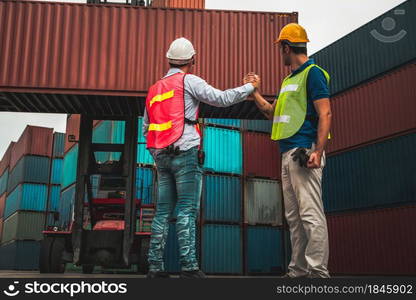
(160, 127)
(162, 97)
(291, 106)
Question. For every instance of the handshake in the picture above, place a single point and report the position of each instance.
(252, 78)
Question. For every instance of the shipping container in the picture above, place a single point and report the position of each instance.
(33, 169)
(223, 150)
(23, 225)
(222, 199)
(58, 144)
(265, 251)
(135, 46)
(263, 202)
(34, 140)
(382, 174)
(233, 123)
(140, 136)
(257, 125)
(3, 181)
(200, 4)
(375, 242)
(261, 156)
(145, 185)
(365, 114)
(56, 171)
(143, 155)
(69, 168)
(1, 228)
(54, 198)
(2, 204)
(26, 197)
(72, 128)
(20, 255)
(349, 63)
(5, 161)
(222, 249)
(66, 206)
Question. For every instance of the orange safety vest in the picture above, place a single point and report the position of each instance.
(165, 106)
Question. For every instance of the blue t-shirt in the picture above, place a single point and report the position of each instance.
(317, 88)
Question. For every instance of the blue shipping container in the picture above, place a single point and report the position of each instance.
(235, 123)
(26, 197)
(221, 249)
(265, 252)
(382, 174)
(66, 206)
(257, 125)
(34, 169)
(56, 171)
(144, 185)
(143, 155)
(58, 144)
(3, 181)
(20, 255)
(54, 197)
(69, 169)
(222, 198)
(140, 137)
(223, 150)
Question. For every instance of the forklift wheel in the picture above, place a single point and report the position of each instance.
(50, 259)
(87, 269)
(143, 265)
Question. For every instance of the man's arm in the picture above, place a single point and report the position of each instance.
(202, 91)
(145, 126)
(323, 108)
(264, 106)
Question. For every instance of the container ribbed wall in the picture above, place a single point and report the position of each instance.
(366, 113)
(379, 242)
(58, 144)
(5, 161)
(2, 204)
(234, 123)
(222, 198)
(3, 181)
(69, 168)
(26, 197)
(381, 174)
(23, 225)
(221, 249)
(263, 202)
(223, 151)
(265, 252)
(349, 63)
(144, 185)
(66, 206)
(20, 255)
(34, 140)
(257, 125)
(261, 156)
(34, 169)
(121, 43)
(179, 3)
(56, 171)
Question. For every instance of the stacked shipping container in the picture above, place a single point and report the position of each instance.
(370, 175)
(31, 188)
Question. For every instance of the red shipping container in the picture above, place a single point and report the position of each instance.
(107, 49)
(179, 3)
(35, 141)
(376, 242)
(5, 161)
(375, 110)
(261, 156)
(2, 204)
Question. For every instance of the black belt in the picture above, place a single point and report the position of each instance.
(191, 122)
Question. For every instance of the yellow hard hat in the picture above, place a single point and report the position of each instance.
(293, 33)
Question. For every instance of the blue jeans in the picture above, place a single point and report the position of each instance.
(179, 184)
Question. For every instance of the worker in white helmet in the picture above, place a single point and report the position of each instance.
(173, 138)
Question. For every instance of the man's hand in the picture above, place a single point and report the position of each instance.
(315, 160)
(252, 78)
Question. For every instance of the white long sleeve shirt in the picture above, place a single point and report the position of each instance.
(196, 90)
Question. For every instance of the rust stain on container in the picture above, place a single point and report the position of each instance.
(374, 110)
(379, 242)
(261, 156)
(5, 161)
(34, 140)
(118, 49)
(200, 4)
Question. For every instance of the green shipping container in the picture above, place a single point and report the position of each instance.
(23, 225)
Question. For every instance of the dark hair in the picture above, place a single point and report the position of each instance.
(177, 66)
(296, 50)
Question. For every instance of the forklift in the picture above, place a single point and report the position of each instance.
(110, 229)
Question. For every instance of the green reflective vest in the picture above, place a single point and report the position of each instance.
(290, 112)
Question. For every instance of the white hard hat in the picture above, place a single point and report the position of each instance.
(180, 50)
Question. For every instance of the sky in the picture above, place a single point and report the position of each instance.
(325, 21)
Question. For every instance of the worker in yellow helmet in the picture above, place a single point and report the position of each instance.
(301, 117)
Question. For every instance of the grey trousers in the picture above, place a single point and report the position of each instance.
(302, 192)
